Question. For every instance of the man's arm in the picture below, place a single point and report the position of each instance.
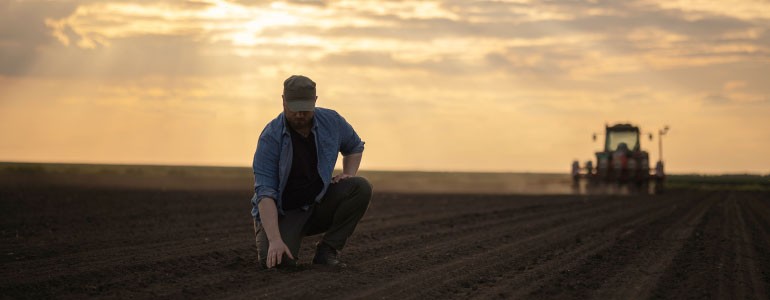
(269, 215)
(350, 164)
(265, 166)
(351, 147)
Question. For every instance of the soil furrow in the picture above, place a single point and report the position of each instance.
(752, 285)
(537, 260)
(759, 221)
(645, 265)
(701, 252)
(530, 277)
(425, 232)
(478, 260)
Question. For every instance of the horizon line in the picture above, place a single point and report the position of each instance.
(365, 170)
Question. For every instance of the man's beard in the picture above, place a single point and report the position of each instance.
(298, 124)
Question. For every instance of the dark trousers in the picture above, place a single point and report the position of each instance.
(336, 215)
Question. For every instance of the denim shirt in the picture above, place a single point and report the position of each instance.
(272, 160)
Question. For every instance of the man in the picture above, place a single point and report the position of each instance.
(294, 192)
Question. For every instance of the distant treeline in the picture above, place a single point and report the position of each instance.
(719, 182)
(387, 180)
(140, 170)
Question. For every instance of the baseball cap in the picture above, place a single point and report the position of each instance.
(299, 93)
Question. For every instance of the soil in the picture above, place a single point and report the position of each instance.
(77, 241)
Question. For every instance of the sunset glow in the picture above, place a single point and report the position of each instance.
(429, 85)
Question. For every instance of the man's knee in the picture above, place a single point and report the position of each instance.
(363, 188)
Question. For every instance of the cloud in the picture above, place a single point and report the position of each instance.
(734, 84)
(23, 32)
(538, 42)
(741, 9)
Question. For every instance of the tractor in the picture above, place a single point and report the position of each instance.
(622, 162)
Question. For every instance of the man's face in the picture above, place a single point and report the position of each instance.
(298, 119)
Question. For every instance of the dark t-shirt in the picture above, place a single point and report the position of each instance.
(304, 181)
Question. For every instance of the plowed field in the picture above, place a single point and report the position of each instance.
(111, 242)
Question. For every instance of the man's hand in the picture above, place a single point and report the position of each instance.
(275, 253)
(277, 248)
(340, 176)
(350, 165)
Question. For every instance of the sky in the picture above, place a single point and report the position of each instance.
(446, 85)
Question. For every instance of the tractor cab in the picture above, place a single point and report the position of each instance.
(621, 137)
(622, 159)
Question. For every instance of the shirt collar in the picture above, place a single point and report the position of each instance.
(285, 125)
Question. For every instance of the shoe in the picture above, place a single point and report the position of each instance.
(326, 255)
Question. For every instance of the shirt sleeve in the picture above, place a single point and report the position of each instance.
(266, 168)
(350, 143)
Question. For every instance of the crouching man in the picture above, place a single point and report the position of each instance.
(294, 192)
